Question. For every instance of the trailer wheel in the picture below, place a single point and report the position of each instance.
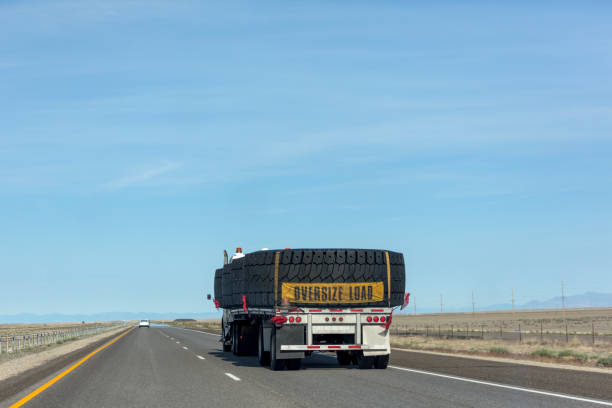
(364, 362)
(262, 356)
(344, 358)
(226, 347)
(234, 339)
(275, 364)
(381, 362)
(294, 364)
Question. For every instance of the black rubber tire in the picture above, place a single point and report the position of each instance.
(381, 362)
(242, 346)
(344, 358)
(253, 275)
(226, 347)
(262, 356)
(226, 287)
(234, 339)
(294, 364)
(275, 364)
(365, 363)
(219, 286)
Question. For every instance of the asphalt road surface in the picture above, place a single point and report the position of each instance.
(173, 367)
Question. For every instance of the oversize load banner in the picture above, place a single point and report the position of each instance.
(333, 292)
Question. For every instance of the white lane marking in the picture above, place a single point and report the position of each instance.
(201, 332)
(232, 376)
(184, 348)
(201, 358)
(509, 387)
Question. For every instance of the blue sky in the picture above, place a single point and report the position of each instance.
(138, 139)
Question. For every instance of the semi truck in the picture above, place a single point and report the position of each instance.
(283, 305)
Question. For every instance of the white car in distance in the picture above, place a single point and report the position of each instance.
(144, 323)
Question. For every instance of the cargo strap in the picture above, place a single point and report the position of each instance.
(276, 262)
(388, 277)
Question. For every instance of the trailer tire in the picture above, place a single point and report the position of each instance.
(381, 362)
(275, 364)
(365, 363)
(344, 358)
(226, 347)
(234, 339)
(294, 364)
(262, 356)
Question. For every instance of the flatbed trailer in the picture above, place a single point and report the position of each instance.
(282, 337)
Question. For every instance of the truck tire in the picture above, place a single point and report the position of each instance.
(365, 363)
(234, 339)
(294, 364)
(275, 364)
(226, 287)
(254, 275)
(219, 286)
(343, 357)
(226, 347)
(381, 362)
(262, 356)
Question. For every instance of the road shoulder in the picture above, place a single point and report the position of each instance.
(23, 379)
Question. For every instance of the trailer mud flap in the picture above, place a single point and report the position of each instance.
(294, 335)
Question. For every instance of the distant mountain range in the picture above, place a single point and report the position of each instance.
(588, 299)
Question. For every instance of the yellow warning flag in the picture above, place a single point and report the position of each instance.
(358, 292)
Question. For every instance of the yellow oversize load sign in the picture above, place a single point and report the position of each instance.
(333, 292)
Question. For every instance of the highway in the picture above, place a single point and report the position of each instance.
(174, 367)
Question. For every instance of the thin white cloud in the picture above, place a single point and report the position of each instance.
(140, 177)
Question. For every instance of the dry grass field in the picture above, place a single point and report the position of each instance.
(579, 321)
(576, 336)
(212, 324)
(33, 328)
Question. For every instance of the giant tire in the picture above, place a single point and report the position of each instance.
(253, 275)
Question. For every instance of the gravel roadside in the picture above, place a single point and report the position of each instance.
(28, 361)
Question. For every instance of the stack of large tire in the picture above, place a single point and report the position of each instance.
(253, 275)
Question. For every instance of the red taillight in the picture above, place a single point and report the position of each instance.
(375, 318)
(382, 318)
(369, 319)
(298, 319)
(340, 319)
(333, 319)
(291, 319)
(327, 319)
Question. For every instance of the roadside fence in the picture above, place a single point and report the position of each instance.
(22, 341)
(502, 332)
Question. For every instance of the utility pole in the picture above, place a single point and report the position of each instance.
(563, 299)
(440, 303)
(512, 302)
(473, 306)
(414, 303)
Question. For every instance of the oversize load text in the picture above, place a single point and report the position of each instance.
(333, 292)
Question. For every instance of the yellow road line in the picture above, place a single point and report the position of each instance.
(62, 374)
